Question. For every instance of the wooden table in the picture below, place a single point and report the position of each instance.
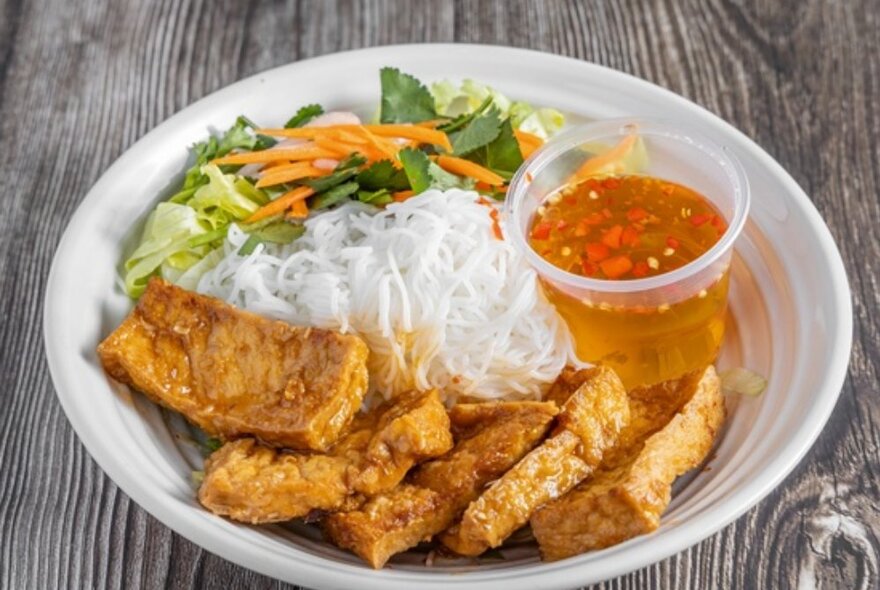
(81, 81)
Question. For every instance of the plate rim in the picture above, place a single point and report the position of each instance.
(310, 569)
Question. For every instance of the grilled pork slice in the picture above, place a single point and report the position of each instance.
(490, 439)
(588, 423)
(257, 484)
(233, 373)
(672, 429)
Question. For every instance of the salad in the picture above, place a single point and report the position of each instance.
(267, 181)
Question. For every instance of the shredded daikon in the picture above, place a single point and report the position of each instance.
(440, 301)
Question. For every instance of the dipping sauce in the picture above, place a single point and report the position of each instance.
(631, 227)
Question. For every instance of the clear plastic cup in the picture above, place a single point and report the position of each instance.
(650, 329)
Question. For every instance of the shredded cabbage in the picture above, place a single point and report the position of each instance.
(220, 201)
(451, 100)
(164, 245)
(165, 241)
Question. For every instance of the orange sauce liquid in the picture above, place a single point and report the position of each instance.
(625, 228)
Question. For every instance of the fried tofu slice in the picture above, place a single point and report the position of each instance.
(256, 484)
(589, 421)
(672, 429)
(490, 439)
(233, 373)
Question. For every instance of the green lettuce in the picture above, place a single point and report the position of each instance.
(178, 236)
(222, 200)
(165, 241)
(452, 101)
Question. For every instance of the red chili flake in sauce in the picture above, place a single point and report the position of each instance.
(636, 214)
(597, 251)
(616, 267)
(588, 268)
(641, 269)
(629, 237)
(718, 224)
(611, 184)
(561, 225)
(542, 231)
(612, 236)
(672, 242)
(698, 219)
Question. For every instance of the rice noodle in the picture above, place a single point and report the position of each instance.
(439, 300)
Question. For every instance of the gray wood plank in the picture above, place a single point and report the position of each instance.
(81, 81)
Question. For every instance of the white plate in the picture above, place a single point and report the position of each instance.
(790, 299)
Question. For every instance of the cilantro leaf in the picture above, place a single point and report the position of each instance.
(415, 165)
(502, 155)
(335, 195)
(344, 171)
(304, 115)
(381, 175)
(404, 98)
(481, 131)
(443, 180)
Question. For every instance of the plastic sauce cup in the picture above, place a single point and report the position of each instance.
(656, 328)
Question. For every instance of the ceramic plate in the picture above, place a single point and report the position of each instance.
(790, 304)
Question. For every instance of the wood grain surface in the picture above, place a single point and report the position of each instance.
(82, 80)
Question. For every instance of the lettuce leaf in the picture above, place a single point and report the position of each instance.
(165, 241)
(220, 201)
(453, 101)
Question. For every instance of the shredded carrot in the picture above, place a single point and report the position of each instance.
(297, 132)
(618, 152)
(528, 142)
(343, 149)
(299, 210)
(284, 166)
(290, 175)
(275, 164)
(281, 204)
(303, 153)
(401, 196)
(383, 145)
(467, 168)
(493, 215)
(482, 186)
(420, 134)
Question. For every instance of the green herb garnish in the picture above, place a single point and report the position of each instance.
(304, 115)
(383, 175)
(404, 98)
(335, 195)
(415, 166)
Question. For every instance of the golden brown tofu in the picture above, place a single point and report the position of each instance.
(588, 423)
(490, 439)
(234, 373)
(253, 483)
(672, 429)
